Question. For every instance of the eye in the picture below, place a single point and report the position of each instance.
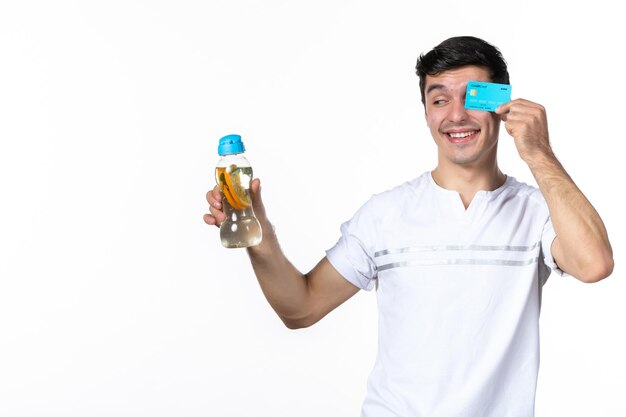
(439, 101)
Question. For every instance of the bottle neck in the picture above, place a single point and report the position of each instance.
(237, 159)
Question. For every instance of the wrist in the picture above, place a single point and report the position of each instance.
(269, 242)
(540, 158)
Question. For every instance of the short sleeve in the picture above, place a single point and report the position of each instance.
(352, 256)
(547, 237)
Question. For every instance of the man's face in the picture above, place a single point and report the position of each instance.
(463, 137)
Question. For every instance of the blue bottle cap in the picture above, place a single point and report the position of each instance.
(230, 144)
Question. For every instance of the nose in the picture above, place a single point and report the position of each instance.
(458, 112)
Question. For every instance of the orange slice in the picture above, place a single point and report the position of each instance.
(237, 190)
(233, 190)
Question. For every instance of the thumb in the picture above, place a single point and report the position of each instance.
(503, 111)
(257, 201)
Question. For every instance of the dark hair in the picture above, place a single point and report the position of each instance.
(458, 52)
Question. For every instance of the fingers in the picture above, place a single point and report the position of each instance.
(527, 123)
(216, 216)
(524, 114)
(518, 106)
(210, 220)
(214, 197)
(519, 109)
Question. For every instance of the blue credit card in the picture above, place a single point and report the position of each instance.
(486, 96)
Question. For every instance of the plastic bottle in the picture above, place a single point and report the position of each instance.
(233, 175)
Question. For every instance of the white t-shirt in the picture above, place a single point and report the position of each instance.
(459, 294)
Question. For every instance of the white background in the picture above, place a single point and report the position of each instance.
(116, 298)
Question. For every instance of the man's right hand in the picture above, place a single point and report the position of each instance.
(299, 299)
(214, 198)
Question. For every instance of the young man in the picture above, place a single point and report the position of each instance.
(458, 256)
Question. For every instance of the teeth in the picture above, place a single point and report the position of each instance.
(461, 135)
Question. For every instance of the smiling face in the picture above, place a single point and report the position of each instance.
(463, 137)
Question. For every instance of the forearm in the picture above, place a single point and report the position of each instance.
(282, 284)
(583, 248)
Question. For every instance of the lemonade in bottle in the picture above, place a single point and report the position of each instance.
(233, 174)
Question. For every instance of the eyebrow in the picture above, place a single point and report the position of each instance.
(435, 87)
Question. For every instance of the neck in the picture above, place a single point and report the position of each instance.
(468, 180)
